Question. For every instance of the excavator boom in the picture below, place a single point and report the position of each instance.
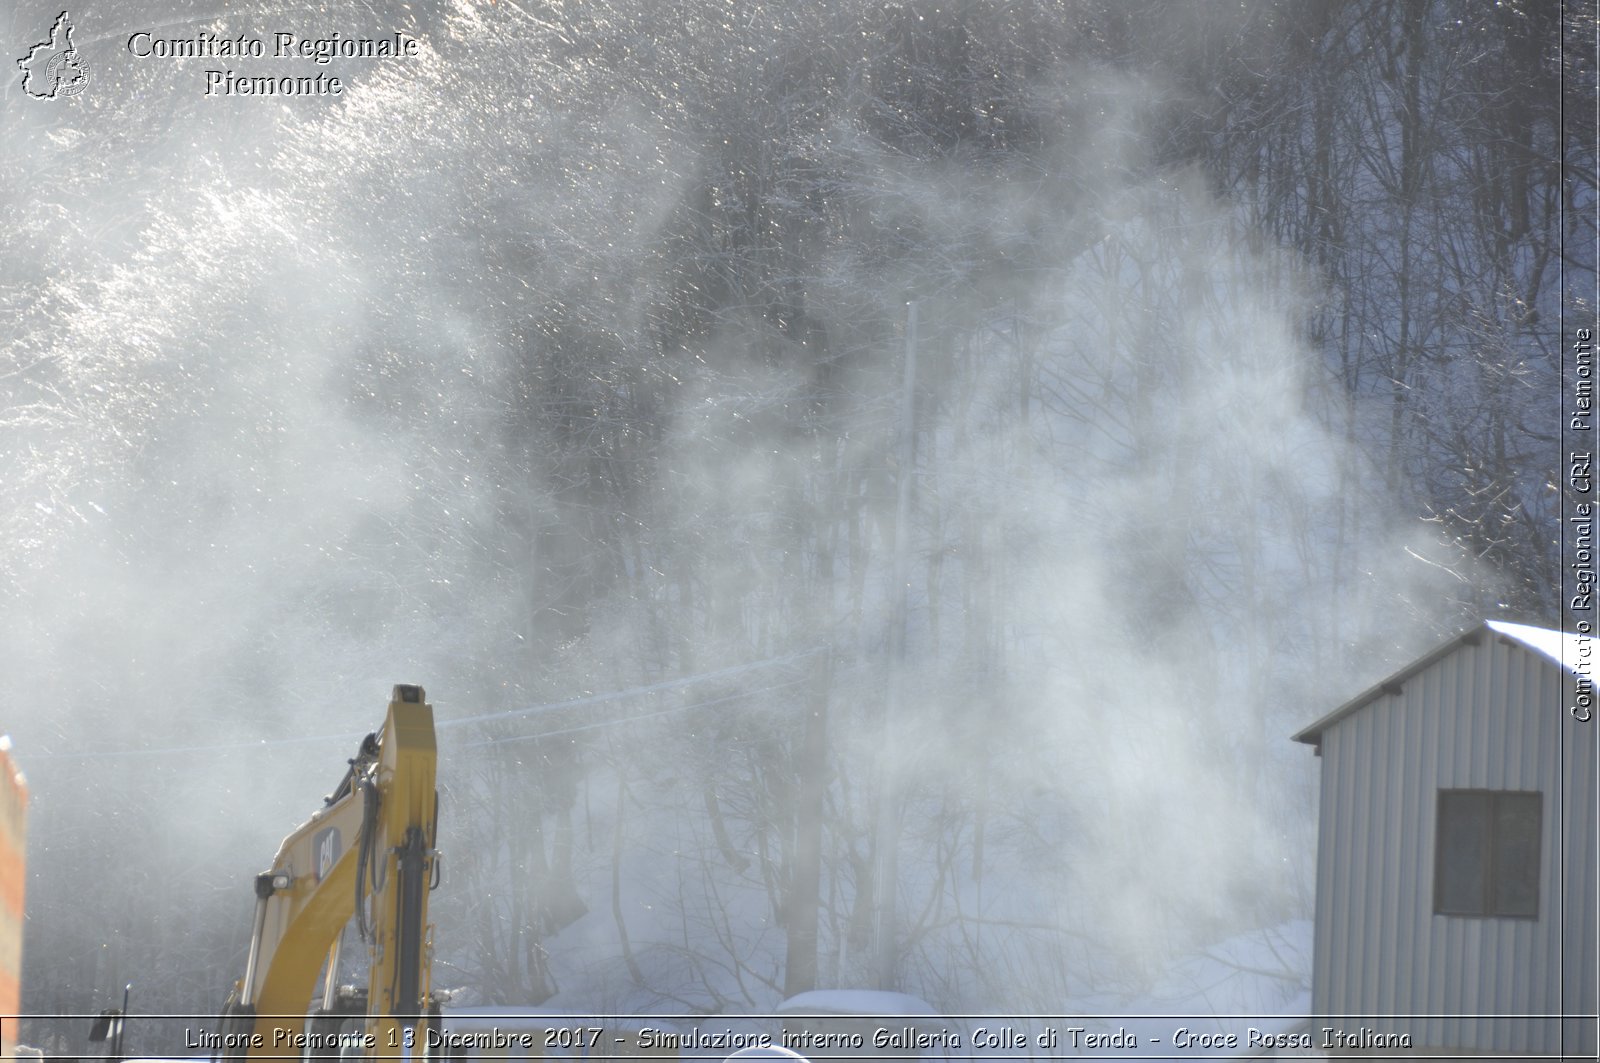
(368, 855)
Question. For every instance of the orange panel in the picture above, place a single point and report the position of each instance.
(13, 880)
(10, 993)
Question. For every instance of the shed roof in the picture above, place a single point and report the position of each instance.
(1562, 648)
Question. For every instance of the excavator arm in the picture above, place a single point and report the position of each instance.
(367, 855)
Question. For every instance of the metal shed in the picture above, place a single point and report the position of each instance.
(1456, 853)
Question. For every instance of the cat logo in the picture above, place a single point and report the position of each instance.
(327, 849)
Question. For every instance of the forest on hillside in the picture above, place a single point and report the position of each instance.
(561, 369)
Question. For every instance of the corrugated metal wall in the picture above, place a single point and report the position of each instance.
(1489, 716)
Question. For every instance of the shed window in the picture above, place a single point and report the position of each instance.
(1486, 857)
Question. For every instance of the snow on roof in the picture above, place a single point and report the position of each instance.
(855, 1002)
(1564, 649)
(483, 1018)
(497, 1011)
(767, 1052)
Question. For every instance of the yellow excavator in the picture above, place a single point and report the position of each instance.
(368, 855)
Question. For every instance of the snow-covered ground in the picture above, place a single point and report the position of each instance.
(1225, 1001)
(1244, 997)
(1241, 997)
